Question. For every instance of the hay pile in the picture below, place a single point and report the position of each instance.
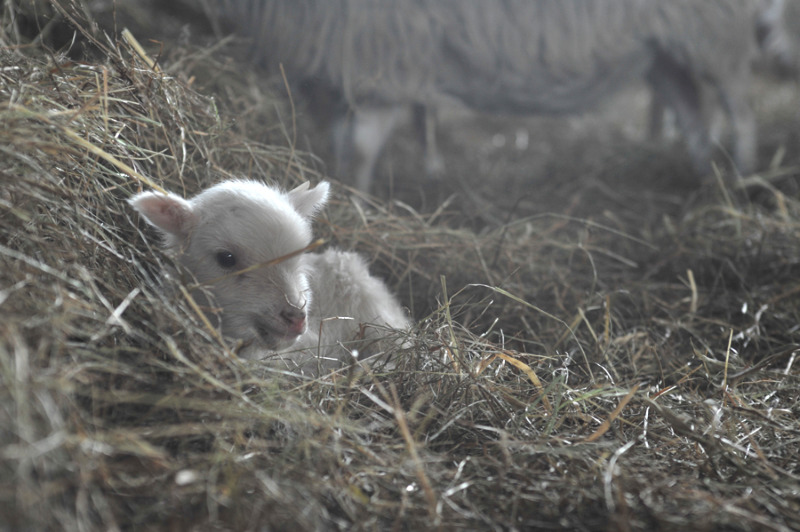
(611, 370)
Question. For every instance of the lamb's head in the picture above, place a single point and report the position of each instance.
(234, 226)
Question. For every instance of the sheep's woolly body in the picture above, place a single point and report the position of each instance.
(278, 310)
(345, 297)
(516, 56)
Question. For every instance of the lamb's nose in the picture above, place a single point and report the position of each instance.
(295, 319)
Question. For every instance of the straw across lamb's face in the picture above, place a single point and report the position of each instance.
(236, 225)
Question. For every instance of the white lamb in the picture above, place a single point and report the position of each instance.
(227, 235)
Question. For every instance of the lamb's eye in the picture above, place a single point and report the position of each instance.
(226, 259)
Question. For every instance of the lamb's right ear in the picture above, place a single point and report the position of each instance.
(170, 213)
(308, 201)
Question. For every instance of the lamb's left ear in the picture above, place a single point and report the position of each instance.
(171, 214)
(308, 201)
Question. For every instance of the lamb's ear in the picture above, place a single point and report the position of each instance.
(308, 201)
(170, 213)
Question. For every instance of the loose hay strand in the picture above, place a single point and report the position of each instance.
(603, 428)
(531, 375)
(133, 43)
(312, 246)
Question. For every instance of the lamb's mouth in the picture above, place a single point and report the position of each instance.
(271, 336)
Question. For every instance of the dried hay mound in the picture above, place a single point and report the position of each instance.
(567, 371)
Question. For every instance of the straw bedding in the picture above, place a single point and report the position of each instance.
(611, 351)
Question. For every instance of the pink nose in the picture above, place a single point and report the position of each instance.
(295, 319)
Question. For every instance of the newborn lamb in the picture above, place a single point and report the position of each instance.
(226, 235)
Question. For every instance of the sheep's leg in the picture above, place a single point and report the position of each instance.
(425, 123)
(681, 93)
(691, 121)
(359, 138)
(656, 118)
(776, 43)
(661, 123)
(742, 122)
(661, 120)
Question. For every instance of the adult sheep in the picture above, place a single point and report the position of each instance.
(383, 57)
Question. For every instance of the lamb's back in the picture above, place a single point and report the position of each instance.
(342, 286)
